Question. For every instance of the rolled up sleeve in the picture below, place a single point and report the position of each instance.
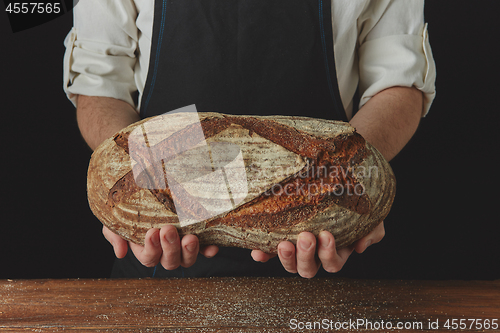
(396, 52)
(100, 51)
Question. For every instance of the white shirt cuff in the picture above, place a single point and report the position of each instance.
(98, 69)
(398, 60)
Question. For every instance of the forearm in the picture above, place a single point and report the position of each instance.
(389, 119)
(100, 117)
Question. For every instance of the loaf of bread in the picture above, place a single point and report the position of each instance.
(242, 181)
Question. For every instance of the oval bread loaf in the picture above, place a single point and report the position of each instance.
(242, 181)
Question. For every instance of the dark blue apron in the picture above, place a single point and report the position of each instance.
(255, 57)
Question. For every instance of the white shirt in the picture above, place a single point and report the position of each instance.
(378, 44)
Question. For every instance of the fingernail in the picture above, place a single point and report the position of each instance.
(171, 236)
(305, 245)
(156, 238)
(324, 240)
(191, 247)
(286, 254)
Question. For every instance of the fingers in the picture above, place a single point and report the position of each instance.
(120, 246)
(177, 252)
(190, 248)
(286, 253)
(373, 237)
(166, 247)
(209, 251)
(307, 262)
(162, 246)
(301, 259)
(171, 245)
(310, 254)
(261, 256)
(332, 259)
(149, 255)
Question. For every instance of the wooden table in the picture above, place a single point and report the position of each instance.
(247, 305)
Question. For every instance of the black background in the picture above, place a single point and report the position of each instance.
(444, 223)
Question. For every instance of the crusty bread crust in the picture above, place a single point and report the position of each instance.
(326, 164)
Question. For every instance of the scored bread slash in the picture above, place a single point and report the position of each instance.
(242, 181)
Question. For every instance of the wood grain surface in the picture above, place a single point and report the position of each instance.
(240, 304)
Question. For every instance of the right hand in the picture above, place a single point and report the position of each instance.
(162, 246)
(311, 253)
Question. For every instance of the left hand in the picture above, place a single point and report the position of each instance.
(163, 246)
(303, 259)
